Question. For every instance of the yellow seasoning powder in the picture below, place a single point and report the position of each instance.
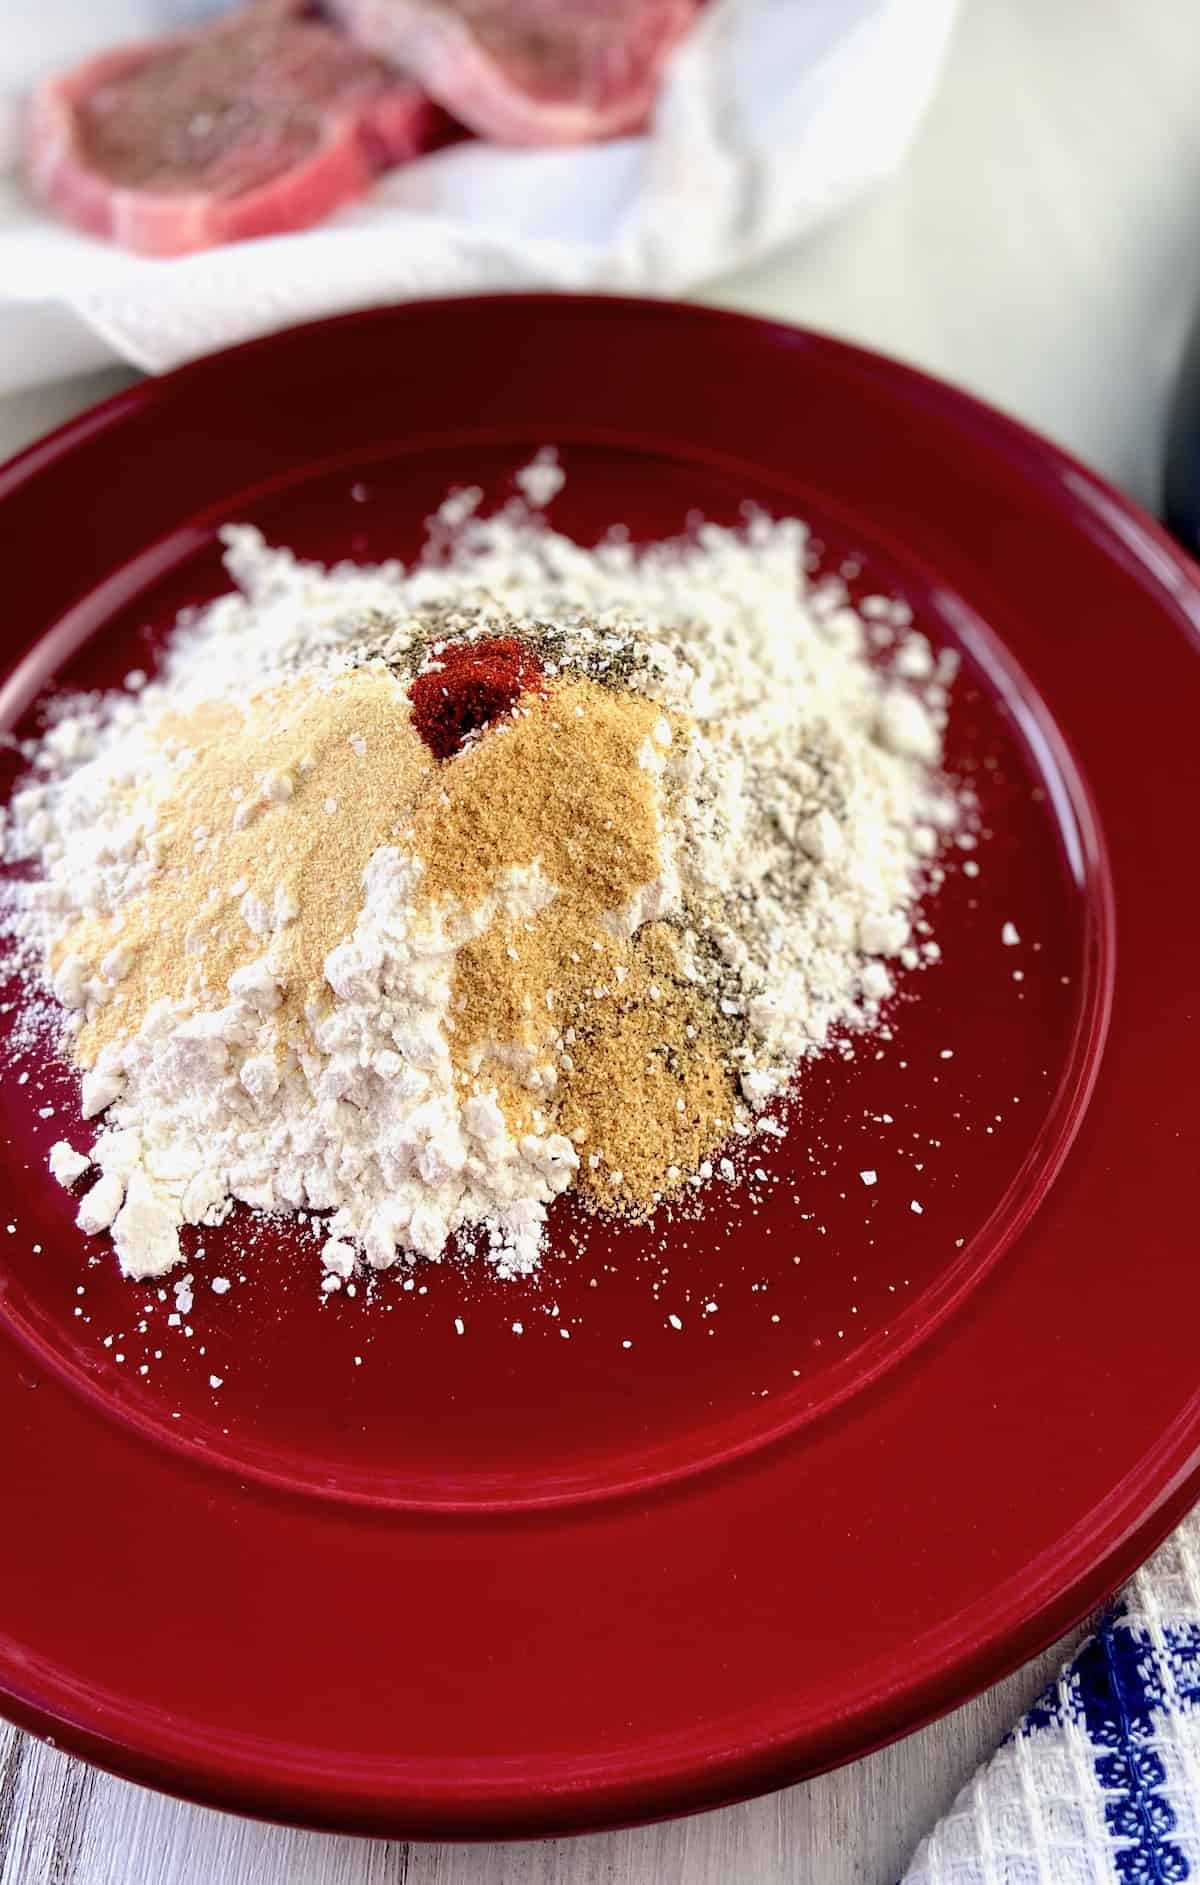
(564, 1015)
(259, 833)
(259, 829)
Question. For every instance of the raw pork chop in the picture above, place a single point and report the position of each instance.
(264, 121)
(529, 71)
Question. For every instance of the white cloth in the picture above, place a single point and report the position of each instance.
(775, 114)
(1100, 1783)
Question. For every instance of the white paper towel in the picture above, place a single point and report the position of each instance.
(775, 114)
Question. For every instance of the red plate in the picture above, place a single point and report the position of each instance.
(497, 1584)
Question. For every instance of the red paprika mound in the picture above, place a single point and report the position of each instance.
(474, 683)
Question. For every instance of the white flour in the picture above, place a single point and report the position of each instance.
(368, 1126)
(799, 825)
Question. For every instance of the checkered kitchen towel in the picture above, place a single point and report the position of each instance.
(1100, 1784)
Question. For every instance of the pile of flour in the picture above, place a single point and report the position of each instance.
(801, 815)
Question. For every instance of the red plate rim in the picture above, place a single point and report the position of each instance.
(975, 1646)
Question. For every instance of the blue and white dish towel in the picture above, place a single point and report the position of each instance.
(1100, 1784)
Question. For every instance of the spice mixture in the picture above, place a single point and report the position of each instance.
(410, 899)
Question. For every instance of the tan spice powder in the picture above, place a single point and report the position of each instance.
(574, 1027)
(284, 796)
(565, 1020)
(560, 782)
(650, 1088)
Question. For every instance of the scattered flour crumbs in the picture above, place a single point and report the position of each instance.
(408, 898)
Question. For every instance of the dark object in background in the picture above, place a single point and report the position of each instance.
(1181, 491)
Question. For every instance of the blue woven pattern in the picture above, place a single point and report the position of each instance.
(1100, 1783)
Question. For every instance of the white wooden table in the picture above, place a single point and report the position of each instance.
(1042, 247)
